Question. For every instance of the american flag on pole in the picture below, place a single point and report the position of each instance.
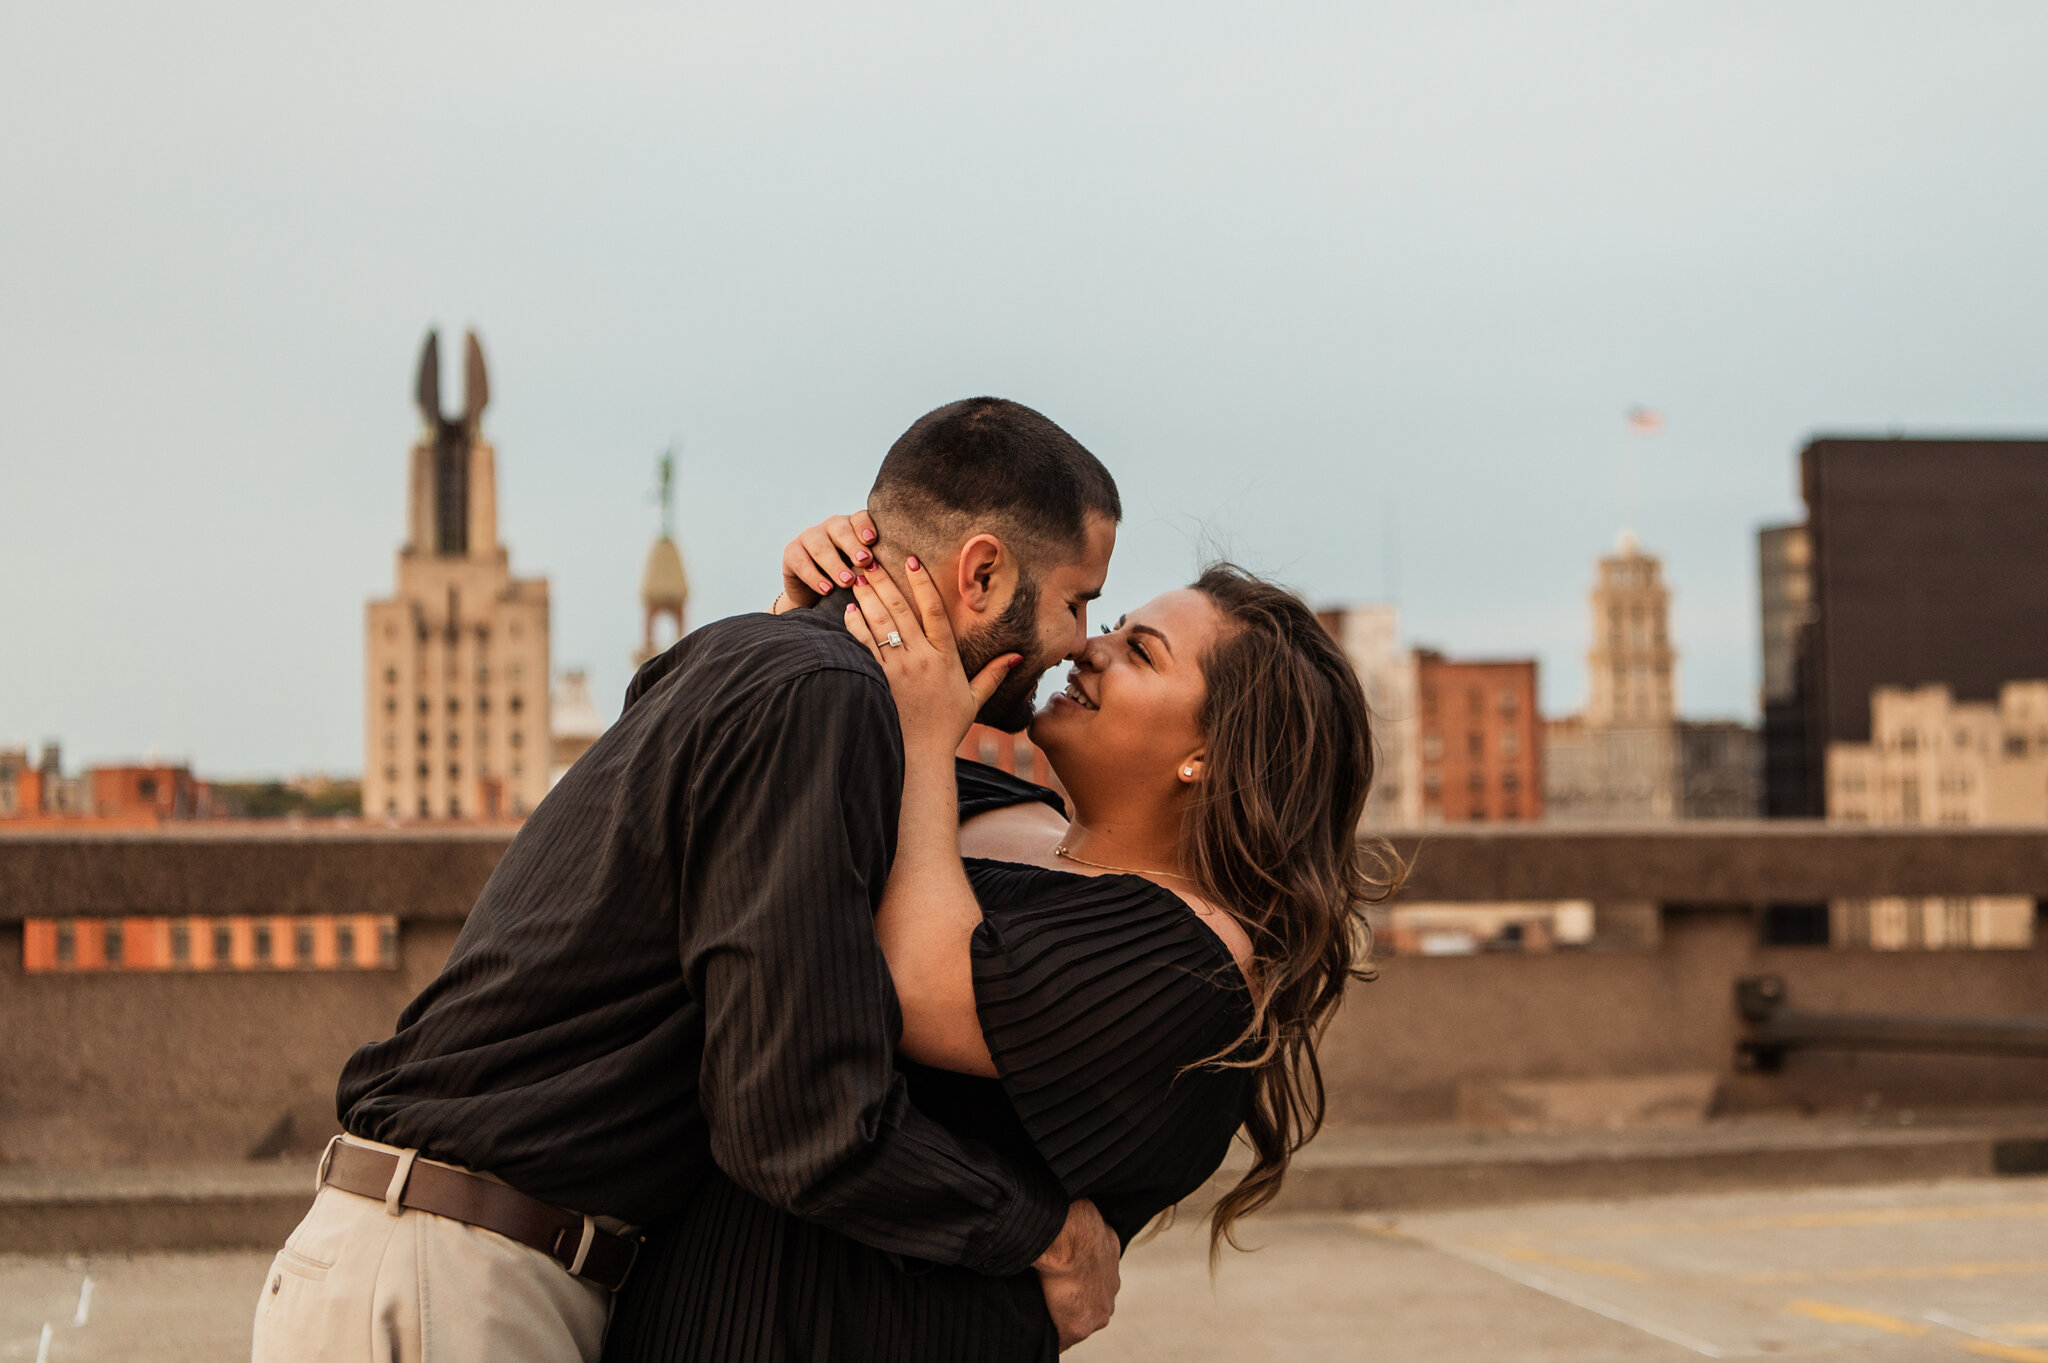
(1644, 421)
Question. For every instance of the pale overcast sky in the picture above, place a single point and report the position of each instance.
(1304, 276)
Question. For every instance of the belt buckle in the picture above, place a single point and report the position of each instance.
(637, 1241)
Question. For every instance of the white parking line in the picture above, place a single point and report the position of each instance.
(1584, 1302)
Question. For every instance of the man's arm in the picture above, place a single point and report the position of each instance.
(793, 818)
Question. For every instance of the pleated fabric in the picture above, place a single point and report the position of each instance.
(1101, 999)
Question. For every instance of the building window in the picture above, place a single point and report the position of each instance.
(454, 809)
(1475, 743)
(1510, 743)
(145, 789)
(1510, 781)
(454, 772)
(302, 943)
(483, 705)
(391, 676)
(1508, 702)
(67, 944)
(425, 811)
(454, 739)
(1432, 746)
(1475, 699)
(1909, 741)
(2015, 745)
(518, 704)
(387, 943)
(517, 739)
(423, 738)
(424, 707)
(1476, 783)
(181, 944)
(483, 738)
(261, 943)
(423, 771)
(390, 705)
(454, 706)
(116, 941)
(223, 944)
(344, 945)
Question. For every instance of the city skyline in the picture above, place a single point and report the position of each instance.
(1297, 280)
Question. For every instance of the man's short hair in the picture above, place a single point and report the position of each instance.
(995, 463)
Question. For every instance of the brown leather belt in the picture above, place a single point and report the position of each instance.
(571, 1240)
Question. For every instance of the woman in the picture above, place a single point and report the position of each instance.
(1118, 994)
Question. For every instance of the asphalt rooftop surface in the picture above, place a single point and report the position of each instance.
(1945, 1271)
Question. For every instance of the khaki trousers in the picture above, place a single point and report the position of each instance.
(355, 1284)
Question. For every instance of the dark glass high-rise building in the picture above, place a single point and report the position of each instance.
(1928, 563)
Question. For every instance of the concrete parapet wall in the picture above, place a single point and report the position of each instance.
(130, 1068)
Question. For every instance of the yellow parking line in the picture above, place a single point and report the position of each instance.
(1853, 1315)
(1903, 1273)
(1876, 1216)
(1601, 1267)
(2017, 1353)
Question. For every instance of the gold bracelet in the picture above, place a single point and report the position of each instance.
(779, 598)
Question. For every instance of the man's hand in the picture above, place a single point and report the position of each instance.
(1078, 1273)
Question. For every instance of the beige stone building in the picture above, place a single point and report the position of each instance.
(573, 721)
(1931, 760)
(1370, 638)
(456, 662)
(1618, 761)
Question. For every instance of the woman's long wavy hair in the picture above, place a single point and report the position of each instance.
(1272, 834)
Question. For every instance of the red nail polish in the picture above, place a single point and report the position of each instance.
(868, 535)
(846, 579)
(915, 566)
(862, 579)
(1016, 663)
(825, 587)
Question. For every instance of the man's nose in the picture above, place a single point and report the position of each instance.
(1080, 639)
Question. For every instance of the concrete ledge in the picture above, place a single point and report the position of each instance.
(1431, 1168)
(91, 1211)
(256, 1205)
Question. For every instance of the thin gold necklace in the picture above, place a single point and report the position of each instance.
(1061, 851)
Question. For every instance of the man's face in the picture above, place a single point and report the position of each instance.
(1046, 620)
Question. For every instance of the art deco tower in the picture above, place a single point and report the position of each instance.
(456, 662)
(1631, 665)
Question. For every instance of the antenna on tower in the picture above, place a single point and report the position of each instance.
(665, 489)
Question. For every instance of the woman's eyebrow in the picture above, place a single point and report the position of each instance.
(1164, 642)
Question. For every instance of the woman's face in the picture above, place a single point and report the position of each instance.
(1131, 709)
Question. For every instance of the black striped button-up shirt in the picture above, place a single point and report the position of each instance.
(674, 967)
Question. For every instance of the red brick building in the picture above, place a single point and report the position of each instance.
(1479, 738)
(148, 791)
(1014, 753)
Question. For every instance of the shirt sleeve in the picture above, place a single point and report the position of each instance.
(791, 831)
(1100, 1002)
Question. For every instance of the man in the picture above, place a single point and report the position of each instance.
(673, 971)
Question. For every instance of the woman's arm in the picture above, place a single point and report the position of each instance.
(927, 920)
(929, 913)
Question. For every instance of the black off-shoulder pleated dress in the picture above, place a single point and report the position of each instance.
(1096, 994)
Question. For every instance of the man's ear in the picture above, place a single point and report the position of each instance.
(983, 573)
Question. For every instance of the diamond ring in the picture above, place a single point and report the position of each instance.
(894, 640)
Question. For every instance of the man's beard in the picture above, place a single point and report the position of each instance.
(1014, 631)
